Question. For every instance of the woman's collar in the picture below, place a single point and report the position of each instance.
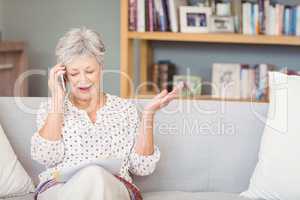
(70, 105)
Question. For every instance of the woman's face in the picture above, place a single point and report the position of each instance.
(83, 74)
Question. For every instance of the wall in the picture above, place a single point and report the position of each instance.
(40, 23)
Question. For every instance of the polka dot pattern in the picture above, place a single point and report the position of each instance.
(112, 135)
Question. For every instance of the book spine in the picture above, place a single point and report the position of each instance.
(261, 24)
(246, 17)
(267, 17)
(244, 83)
(263, 80)
(237, 14)
(162, 17)
(273, 20)
(166, 14)
(150, 15)
(293, 21)
(279, 19)
(141, 16)
(297, 19)
(155, 78)
(173, 16)
(287, 21)
(251, 83)
(156, 15)
(256, 28)
(132, 13)
(147, 22)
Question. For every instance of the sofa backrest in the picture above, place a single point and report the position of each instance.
(205, 145)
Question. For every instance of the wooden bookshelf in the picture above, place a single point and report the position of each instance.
(146, 59)
(229, 38)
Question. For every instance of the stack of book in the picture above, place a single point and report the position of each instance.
(241, 81)
(154, 15)
(270, 18)
(250, 16)
(162, 75)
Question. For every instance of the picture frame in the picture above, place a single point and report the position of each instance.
(194, 19)
(222, 24)
(226, 80)
(192, 85)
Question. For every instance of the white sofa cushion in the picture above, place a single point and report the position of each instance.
(14, 180)
(277, 174)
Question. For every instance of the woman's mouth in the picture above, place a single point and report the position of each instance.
(84, 89)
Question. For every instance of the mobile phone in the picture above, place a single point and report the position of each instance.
(62, 80)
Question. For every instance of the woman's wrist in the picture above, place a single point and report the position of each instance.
(57, 105)
(148, 113)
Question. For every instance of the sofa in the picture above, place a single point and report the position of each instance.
(209, 149)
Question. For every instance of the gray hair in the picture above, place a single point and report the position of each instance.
(80, 42)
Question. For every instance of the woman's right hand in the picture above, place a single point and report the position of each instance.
(55, 86)
(54, 81)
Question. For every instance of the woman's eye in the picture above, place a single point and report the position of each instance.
(90, 72)
(73, 74)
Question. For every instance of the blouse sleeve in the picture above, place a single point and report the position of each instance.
(140, 165)
(44, 151)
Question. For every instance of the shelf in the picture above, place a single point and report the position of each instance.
(10, 46)
(229, 38)
(205, 97)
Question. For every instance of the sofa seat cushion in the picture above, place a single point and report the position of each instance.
(171, 195)
(178, 195)
(25, 197)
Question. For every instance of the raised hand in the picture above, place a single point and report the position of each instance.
(162, 99)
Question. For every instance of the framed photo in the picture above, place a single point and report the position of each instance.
(194, 19)
(220, 24)
(192, 85)
(226, 80)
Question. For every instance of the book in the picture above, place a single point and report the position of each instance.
(166, 73)
(141, 17)
(162, 75)
(160, 18)
(255, 30)
(111, 165)
(267, 17)
(297, 20)
(150, 15)
(248, 86)
(173, 10)
(261, 16)
(263, 80)
(237, 14)
(247, 16)
(132, 18)
(287, 21)
(279, 19)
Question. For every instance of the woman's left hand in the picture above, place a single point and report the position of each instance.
(162, 99)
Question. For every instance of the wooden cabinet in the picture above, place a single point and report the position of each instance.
(13, 64)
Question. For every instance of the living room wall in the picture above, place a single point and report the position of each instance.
(40, 23)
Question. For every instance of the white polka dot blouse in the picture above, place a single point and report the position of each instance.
(111, 136)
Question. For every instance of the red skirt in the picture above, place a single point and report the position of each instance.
(134, 192)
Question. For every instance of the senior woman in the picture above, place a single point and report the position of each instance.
(86, 124)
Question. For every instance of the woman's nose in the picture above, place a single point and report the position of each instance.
(83, 77)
